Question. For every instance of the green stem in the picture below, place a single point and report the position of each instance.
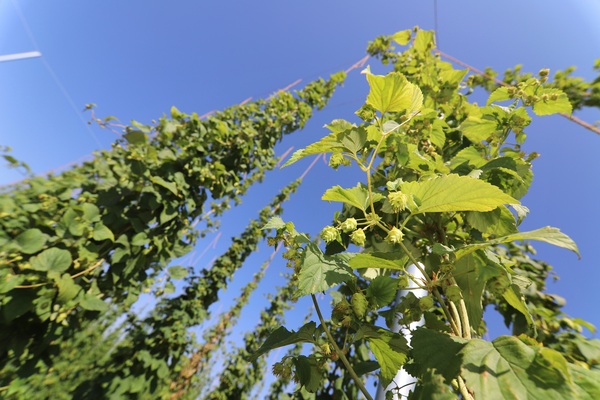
(339, 352)
(412, 259)
(463, 389)
(464, 315)
(456, 316)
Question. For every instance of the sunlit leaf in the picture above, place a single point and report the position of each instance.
(402, 37)
(455, 193)
(393, 93)
(370, 260)
(557, 102)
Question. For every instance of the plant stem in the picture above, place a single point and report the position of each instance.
(339, 352)
(463, 389)
(456, 316)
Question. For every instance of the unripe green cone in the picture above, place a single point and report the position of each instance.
(359, 304)
(425, 303)
(453, 293)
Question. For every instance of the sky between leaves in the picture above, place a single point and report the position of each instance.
(136, 59)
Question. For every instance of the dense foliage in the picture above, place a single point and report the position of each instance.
(443, 179)
(86, 243)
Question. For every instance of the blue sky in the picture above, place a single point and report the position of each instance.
(135, 59)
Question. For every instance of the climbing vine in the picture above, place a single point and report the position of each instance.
(443, 179)
(441, 189)
(94, 237)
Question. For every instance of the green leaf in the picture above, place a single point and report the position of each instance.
(424, 41)
(92, 303)
(31, 241)
(178, 272)
(455, 193)
(376, 260)
(507, 368)
(436, 350)
(357, 196)
(135, 137)
(308, 373)
(393, 93)
(382, 290)
(547, 234)
(351, 139)
(514, 297)
(139, 239)
(560, 105)
(497, 222)
(67, 289)
(402, 37)
(585, 382)
(57, 260)
(479, 128)
(319, 272)
(172, 187)
(282, 337)
(500, 94)
(390, 351)
(471, 274)
(102, 232)
(274, 223)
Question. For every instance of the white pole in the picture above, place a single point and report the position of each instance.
(402, 378)
(20, 56)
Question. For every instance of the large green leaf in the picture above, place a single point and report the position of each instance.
(377, 260)
(455, 193)
(31, 241)
(393, 93)
(438, 351)
(319, 272)
(53, 259)
(308, 373)
(547, 234)
(506, 368)
(382, 290)
(479, 128)
(282, 337)
(390, 351)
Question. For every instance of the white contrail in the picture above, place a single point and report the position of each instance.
(20, 56)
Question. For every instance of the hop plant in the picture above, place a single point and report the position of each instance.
(425, 303)
(398, 200)
(329, 234)
(366, 113)
(395, 235)
(453, 293)
(338, 159)
(359, 304)
(358, 237)
(349, 225)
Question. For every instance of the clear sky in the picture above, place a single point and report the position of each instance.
(135, 59)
